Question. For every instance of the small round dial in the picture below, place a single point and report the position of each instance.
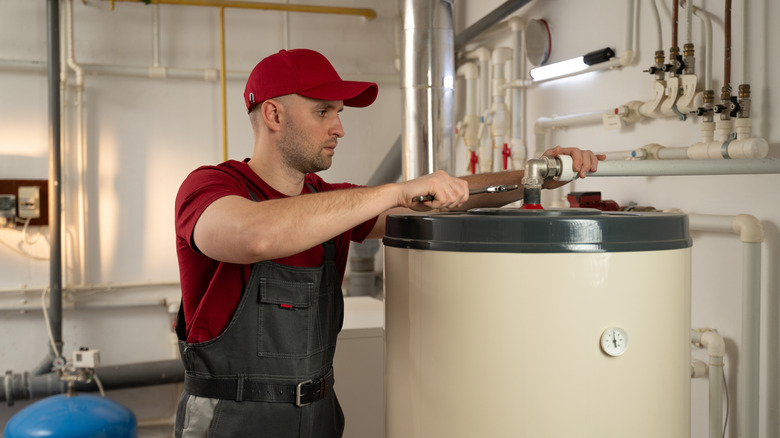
(614, 341)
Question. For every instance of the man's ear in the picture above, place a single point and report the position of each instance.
(270, 111)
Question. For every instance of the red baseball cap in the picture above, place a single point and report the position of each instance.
(304, 72)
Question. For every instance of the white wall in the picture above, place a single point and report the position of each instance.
(145, 135)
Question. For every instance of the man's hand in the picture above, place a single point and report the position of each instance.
(583, 161)
(447, 192)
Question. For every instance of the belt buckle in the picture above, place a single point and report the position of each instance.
(298, 394)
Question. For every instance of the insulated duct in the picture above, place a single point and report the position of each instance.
(427, 78)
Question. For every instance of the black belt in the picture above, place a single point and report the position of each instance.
(240, 389)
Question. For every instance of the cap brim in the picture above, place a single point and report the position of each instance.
(352, 93)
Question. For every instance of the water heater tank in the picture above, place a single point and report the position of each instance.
(537, 323)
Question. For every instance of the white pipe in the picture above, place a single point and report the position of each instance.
(686, 167)
(108, 287)
(516, 144)
(208, 74)
(743, 147)
(469, 128)
(572, 119)
(751, 234)
(81, 151)
(659, 33)
(708, 46)
(499, 113)
(688, 21)
(698, 368)
(630, 12)
(716, 349)
(483, 56)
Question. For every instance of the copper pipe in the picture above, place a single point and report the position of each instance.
(369, 14)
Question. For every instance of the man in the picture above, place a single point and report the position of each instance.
(262, 247)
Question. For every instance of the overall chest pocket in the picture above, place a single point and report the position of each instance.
(285, 316)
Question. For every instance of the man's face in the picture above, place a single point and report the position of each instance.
(310, 132)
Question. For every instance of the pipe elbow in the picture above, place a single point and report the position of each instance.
(480, 53)
(517, 24)
(468, 70)
(714, 343)
(698, 368)
(626, 58)
(501, 55)
(749, 228)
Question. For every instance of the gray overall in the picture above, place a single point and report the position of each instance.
(269, 374)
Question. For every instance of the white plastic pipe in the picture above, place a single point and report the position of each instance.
(482, 55)
(81, 149)
(516, 144)
(470, 126)
(659, 33)
(686, 167)
(716, 349)
(751, 234)
(499, 113)
(707, 22)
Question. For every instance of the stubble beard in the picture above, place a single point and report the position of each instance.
(296, 155)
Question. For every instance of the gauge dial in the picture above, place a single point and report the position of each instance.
(614, 341)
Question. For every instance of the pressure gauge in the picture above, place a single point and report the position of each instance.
(614, 341)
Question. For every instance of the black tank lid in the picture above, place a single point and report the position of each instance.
(538, 231)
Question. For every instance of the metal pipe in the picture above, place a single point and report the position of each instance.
(55, 175)
(136, 375)
(428, 76)
(368, 14)
(487, 21)
(31, 387)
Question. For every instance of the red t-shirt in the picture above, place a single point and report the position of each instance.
(212, 289)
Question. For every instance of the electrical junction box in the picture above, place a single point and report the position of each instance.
(86, 358)
(31, 200)
(7, 208)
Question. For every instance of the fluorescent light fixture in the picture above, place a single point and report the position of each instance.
(562, 68)
(572, 66)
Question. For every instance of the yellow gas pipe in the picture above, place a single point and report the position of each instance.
(338, 10)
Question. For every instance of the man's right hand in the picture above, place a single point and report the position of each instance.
(447, 192)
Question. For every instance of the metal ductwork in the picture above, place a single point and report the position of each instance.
(428, 75)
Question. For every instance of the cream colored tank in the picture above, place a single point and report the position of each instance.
(537, 323)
